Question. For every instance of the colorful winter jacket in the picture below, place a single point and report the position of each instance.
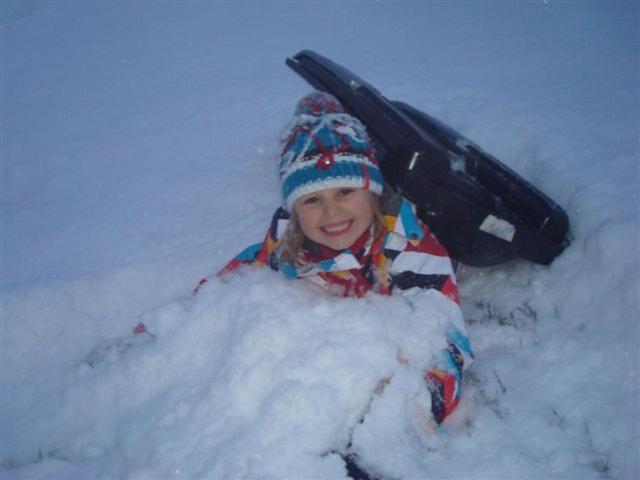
(403, 256)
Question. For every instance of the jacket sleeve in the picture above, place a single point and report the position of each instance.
(255, 254)
(417, 259)
(259, 253)
(420, 262)
(444, 380)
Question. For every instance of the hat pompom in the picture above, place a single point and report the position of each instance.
(318, 104)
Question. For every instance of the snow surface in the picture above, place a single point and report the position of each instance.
(138, 154)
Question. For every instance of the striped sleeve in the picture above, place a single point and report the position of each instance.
(419, 262)
(422, 263)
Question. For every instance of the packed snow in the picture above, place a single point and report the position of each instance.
(139, 144)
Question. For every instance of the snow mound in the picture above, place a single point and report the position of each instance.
(256, 376)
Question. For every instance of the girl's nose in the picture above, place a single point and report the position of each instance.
(331, 209)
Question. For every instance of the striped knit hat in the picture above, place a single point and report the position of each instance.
(325, 147)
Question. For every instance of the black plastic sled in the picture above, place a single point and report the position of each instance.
(480, 210)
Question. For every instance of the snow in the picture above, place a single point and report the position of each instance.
(138, 154)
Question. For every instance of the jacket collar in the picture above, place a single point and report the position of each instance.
(323, 259)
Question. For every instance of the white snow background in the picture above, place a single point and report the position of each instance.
(138, 154)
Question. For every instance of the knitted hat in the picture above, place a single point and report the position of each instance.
(325, 147)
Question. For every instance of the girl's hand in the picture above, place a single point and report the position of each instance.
(426, 421)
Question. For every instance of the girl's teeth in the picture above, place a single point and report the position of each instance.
(337, 228)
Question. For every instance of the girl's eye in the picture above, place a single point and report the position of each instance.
(345, 191)
(310, 201)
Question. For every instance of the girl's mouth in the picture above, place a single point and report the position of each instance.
(336, 229)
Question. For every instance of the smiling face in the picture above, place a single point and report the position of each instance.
(335, 217)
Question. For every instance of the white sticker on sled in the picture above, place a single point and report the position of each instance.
(498, 228)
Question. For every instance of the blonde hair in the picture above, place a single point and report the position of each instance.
(293, 237)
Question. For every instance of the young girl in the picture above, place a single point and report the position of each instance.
(337, 228)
